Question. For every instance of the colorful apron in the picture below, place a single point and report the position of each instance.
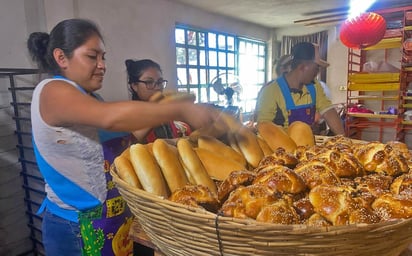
(304, 113)
(104, 228)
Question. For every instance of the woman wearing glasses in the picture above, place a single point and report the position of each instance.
(145, 78)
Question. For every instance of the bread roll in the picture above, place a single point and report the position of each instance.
(279, 157)
(232, 142)
(276, 136)
(126, 171)
(177, 96)
(230, 122)
(126, 153)
(196, 196)
(149, 147)
(402, 184)
(316, 172)
(317, 220)
(392, 206)
(215, 130)
(279, 212)
(332, 202)
(280, 180)
(168, 159)
(193, 167)
(246, 202)
(214, 145)
(156, 97)
(381, 158)
(233, 181)
(264, 146)
(301, 133)
(248, 144)
(147, 170)
(217, 165)
(304, 208)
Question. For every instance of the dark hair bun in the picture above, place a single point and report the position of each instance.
(38, 42)
(37, 45)
(129, 63)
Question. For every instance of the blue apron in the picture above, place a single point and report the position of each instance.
(304, 113)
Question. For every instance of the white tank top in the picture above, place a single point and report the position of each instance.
(75, 151)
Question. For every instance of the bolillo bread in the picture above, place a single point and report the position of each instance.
(147, 170)
(214, 145)
(232, 124)
(126, 171)
(232, 142)
(213, 130)
(177, 96)
(156, 97)
(216, 129)
(301, 133)
(248, 144)
(195, 171)
(264, 146)
(276, 136)
(168, 159)
(149, 147)
(217, 165)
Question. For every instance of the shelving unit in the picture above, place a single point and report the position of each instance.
(20, 84)
(377, 100)
(406, 79)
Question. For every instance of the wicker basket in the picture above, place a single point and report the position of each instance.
(180, 230)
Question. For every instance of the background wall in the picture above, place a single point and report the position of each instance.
(14, 232)
(145, 29)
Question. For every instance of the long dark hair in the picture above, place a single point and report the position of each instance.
(135, 69)
(67, 35)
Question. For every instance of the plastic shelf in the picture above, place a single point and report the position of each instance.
(374, 87)
(386, 43)
(367, 115)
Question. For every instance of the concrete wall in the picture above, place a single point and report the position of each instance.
(14, 232)
(142, 29)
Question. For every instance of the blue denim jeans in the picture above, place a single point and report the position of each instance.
(60, 237)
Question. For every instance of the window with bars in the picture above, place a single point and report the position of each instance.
(219, 68)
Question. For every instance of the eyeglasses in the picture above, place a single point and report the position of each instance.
(150, 84)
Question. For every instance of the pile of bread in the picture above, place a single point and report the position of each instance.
(275, 175)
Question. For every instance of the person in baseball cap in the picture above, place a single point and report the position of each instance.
(309, 52)
(296, 95)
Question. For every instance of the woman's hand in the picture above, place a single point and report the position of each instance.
(198, 115)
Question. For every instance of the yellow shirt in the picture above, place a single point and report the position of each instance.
(271, 105)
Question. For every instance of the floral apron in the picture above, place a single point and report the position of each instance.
(105, 229)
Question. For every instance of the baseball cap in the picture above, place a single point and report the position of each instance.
(308, 51)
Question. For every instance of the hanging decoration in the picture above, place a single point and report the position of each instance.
(362, 31)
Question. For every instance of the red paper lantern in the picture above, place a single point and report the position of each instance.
(362, 31)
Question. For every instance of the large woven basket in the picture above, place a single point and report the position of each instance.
(180, 230)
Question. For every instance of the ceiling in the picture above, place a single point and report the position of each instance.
(285, 13)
